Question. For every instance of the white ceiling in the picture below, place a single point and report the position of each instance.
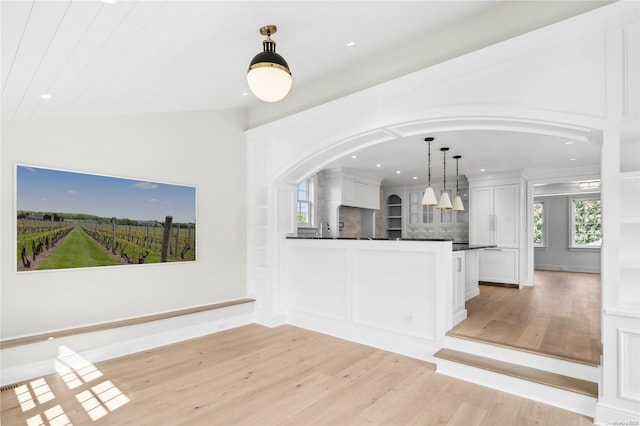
(101, 58)
(98, 58)
(482, 151)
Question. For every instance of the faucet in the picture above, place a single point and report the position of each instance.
(328, 228)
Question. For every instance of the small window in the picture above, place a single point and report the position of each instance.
(304, 209)
(538, 224)
(586, 223)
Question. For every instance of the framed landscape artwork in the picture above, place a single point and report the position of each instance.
(74, 220)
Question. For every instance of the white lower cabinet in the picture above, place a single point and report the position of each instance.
(458, 286)
(471, 272)
(498, 265)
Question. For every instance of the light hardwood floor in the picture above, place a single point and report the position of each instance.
(254, 375)
(559, 316)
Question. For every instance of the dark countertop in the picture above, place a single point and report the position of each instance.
(464, 246)
(454, 246)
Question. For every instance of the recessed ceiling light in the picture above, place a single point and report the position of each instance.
(482, 170)
(569, 143)
(45, 96)
(244, 93)
(572, 159)
(397, 172)
(378, 165)
(415, 178)
(354, 156)
(351, 43)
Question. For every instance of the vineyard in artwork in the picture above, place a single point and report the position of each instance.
(127, 243)
(67, 219)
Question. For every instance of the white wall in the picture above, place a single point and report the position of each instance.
(556, 255)
(204, 149)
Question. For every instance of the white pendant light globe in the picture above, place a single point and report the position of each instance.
(268, 83)
(269, 76)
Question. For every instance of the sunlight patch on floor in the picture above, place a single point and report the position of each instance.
(97, 400)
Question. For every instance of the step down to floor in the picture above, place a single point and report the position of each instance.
(565, 392)
(521, 372)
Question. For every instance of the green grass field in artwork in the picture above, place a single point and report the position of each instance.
(78, 250)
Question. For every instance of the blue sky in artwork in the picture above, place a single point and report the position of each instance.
(56, 191)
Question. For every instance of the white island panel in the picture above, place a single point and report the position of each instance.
(315, 278)
(394, 295)
(390, 293)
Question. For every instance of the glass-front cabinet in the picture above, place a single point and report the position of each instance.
(429, 221)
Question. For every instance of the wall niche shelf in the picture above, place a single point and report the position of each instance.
(393, 211)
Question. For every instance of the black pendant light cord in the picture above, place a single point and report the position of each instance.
(457, 176)
(444, 177)
(428, 141)
(429, 164)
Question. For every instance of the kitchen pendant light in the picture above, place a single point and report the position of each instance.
(457, 200)
(429, 198)
(445, 201)
(269, 76)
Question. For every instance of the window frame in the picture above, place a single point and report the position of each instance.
(572, 223)
(543, 230)
(310, 201)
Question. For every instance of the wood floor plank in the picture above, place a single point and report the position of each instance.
(559, 316)
(254, 375)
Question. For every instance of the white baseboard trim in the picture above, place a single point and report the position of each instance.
(564, 268)
(411, 346)
(471, 294)
(35, 360)
(270, 320)
(458, 317)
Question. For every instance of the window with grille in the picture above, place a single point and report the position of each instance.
(586, 223)
(538, 224)
(304, 208)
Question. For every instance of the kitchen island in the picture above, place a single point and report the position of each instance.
(398, 294)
